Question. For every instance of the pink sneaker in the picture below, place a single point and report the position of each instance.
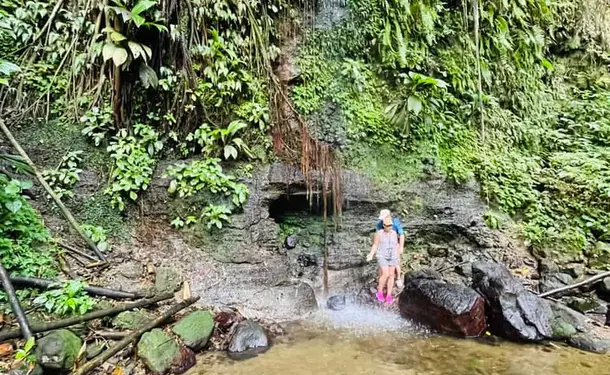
(389, 299)
(380, 296)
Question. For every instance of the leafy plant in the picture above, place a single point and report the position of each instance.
(25, 354)
(6, 70)
(25, 247)
(134, 162)
(65, 175)
(69, 300)
(98, 124)
(97, 235)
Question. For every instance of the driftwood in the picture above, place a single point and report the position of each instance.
(24, 328)
(64, 210)
(112, 335)
(87, 367)
(32, 282)
(43, 327)
(590, 280)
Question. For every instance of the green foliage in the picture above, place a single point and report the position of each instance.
(67, 299)
(65, 175)
(97, 235)
(26, 354)
(134, 163)
(98, 124)
(206, 176)
(24, 241)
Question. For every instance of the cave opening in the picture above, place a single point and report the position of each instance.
(290, 205)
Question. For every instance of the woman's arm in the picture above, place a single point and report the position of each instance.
(374, 247)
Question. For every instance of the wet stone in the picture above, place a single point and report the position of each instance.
(590, 343)
(249, 340)
(336, 302)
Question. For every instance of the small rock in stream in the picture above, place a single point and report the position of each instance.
(589, 342)
(336, 302)
(291, 241)
(248, 340)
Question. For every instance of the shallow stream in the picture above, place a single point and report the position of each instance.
(365, 340)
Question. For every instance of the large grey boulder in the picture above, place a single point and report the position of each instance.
(515, 313)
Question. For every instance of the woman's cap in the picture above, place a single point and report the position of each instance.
(383, 214)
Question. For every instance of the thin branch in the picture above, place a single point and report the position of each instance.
(24, 328)
(590, 280)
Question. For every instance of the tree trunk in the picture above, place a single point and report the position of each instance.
(24, 328)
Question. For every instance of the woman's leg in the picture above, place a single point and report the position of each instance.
(383, 279)
(390, 279)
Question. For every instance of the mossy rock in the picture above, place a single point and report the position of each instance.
(195, 329)
(131, 320)
(167, 280)
(562, 330)
(158, 351)
(58, 350)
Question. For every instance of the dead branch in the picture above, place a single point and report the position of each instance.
(590, 280)
(43, 327)
(87, 367)
(112, 335)
(64, 210)
(33, 282)
(24, 328)
(74, 250)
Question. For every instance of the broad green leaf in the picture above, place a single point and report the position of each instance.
(414, 104)
(137, 50)
(108, 51)
(236, 126)
(119, 56)
(120, 11)
(230, 151)
(147, 50)
(133, 195)
(8, 68)
(148, 77)
(138, 20)
(12, 188)
(142, 6)
(29, 344)
(116, 37)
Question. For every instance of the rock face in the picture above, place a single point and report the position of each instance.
(515, 313)
(58, 350)
(566, 322)
(448, 308)
(249, 339)
(158, 351)
(195, 329)
(167, 280)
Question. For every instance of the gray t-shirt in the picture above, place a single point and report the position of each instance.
(388, 241)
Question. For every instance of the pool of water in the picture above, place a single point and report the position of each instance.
(362, 341)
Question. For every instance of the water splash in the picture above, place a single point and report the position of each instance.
(362, 319)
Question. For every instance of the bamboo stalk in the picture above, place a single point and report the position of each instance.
(43, 327)
(64, 210)
(24, 328)
(89, 366)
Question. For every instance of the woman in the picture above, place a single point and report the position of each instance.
(385, 246)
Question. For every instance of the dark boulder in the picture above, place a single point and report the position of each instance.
(248, 340)
(448, 308)
(514, 312)
(555, 281)
(336, 302)
(588, 305)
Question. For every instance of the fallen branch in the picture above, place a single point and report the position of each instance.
(34, 282)
(74, 250)
(43, 327)
(87, 367)
(64, 210)
(24, 328)
(574, 286)
(112, 335)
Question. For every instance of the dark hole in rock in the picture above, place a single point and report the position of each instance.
(298, 204)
